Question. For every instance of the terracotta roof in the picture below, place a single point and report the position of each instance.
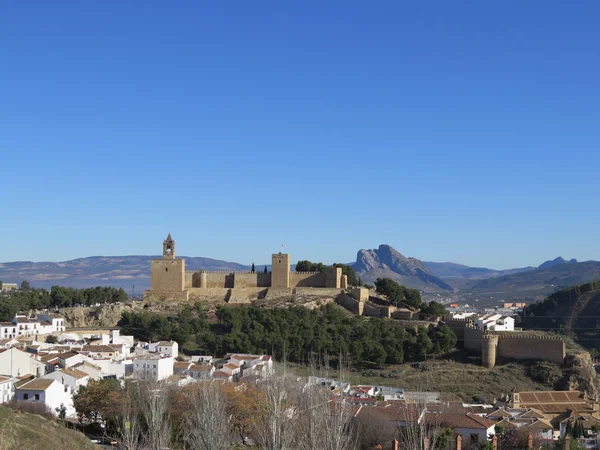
(98, 349)
(507, 424)
(181, 365)
(3, 379)
(200, 368)
(539, 424)
(7, 324)
(38, 384)
(220, 375)
(532, 413)
(165, 343)
(49, 358)
(67, 355)
(460, 420)
(499, 413)
(75, 373)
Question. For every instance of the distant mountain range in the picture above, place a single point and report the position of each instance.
(385, 261)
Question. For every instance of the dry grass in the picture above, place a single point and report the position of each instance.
(20, 431)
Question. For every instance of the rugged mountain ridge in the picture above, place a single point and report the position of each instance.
(556, 262)
(387, 262)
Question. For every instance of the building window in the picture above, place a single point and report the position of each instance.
(25, 396)
(37, 396)
(166, 269)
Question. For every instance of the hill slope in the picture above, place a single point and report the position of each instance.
(386, 262)
(449, 270)
(541, 280)
(32, 432)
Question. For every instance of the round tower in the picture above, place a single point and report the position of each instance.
(488, 350)
(203, 279)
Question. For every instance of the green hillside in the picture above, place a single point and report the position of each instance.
(19, 431)
(574, 311)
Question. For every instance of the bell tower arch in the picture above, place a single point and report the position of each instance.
(169, 248)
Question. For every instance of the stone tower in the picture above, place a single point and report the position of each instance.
(488, 350)
(167, 274)
(280, 270)
(169, 248)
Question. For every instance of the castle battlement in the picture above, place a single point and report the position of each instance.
(169, 275)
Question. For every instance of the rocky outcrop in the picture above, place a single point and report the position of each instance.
(97, 316)
(386, 262)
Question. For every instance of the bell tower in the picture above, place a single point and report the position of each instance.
(169, 248)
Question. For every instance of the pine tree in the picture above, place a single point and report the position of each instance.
(252, 268)
(266, 269)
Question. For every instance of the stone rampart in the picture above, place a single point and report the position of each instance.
(528, 346)
(457, 325)
(251, 279)
(321, 292)
(351, 304)
(307, 279)
(472, 338)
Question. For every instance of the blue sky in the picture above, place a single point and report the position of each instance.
(454, 131)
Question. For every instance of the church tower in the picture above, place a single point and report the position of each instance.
(169, 248)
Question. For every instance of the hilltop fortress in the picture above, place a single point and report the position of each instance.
(170, 281)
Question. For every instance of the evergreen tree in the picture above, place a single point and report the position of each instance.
(252, 270)
(266, 269)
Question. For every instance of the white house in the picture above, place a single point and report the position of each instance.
(169, 348)
(8, 330)
(69, 359)
(16, 362)
(7, 390)
(49, 392)
(467, 425)
(153, 367)
(26, 326)
(495, 322)
(200, 371)
(56, 321)
(70, 377)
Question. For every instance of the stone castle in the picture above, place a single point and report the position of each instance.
(169, 280)
(506, 345)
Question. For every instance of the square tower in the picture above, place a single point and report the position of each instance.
(280, 270)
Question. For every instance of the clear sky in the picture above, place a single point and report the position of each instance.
(462, 131)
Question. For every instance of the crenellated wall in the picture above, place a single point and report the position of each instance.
(512, 345)
(307, 279)
(522, 346)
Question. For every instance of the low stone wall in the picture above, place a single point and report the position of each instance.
(322, 292)
(166, 296)
(351, 304)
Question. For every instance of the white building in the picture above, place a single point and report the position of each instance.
(169, 348)
(9, 287)
(56, 321)
(49, 392)
(495, 322)
(16, 362)
(7, 390)
(153, 367)
(70, 377)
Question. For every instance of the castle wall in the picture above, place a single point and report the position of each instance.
(307, 279)
(458, 326)
(215, 279)
(189, 279)
(249, 279)
(522, 346)
(489, 350)
(167, 275)
(323, 292)
(472, 339)
(333, 277)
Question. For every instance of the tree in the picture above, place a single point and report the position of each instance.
(397, 294)
(206, 423)
(265, 271)
(97, 401)
(0, 285)
(154, 401)
(245, 404)
(252, 270)
(50, 339)
(25, 285)
(434, 309)
(308, 266)
(61, 411)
